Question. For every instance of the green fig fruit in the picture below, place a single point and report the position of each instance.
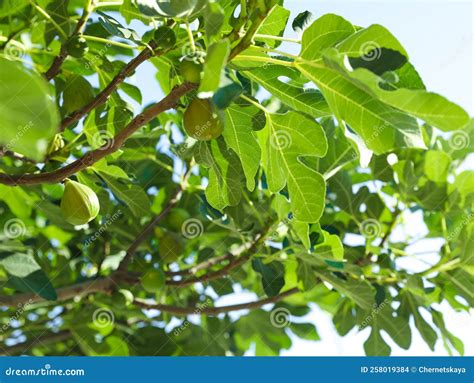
(164, 38)
(159, 232)
(176, 219)
(79, 204)
(191, 71)
(153, 281)
(201, 121)
(76, 46)
(170, 247)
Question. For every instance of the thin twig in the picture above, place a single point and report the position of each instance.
(235, 262)
(199, 310)
(58, 61)
(109, 89)
(149, 228)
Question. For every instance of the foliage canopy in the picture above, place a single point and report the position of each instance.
(296, 171)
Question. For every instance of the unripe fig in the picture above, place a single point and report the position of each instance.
(170, 247)
(164, 38)
(176, 218)
(153, 281)
(159, 232)
(191, 71)
(79, 204)
(76, 46)
(201, 121)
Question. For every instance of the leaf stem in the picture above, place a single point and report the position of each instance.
(444, 227)
(278, 38)
(110, 42)
(276, 51)
(104, 4)
(191, 37)
(49, 18)
(453, 263)
(243, 8)
(248, 99)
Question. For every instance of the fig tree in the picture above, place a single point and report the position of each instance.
(164, 38)
(176, 218)
(153, 281)
(76, 46)
(170, 247)
(191, 71)
(201, 121)
(79, 204)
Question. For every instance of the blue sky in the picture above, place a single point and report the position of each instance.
(439, 37)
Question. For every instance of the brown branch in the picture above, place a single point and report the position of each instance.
(148, 228)
(59, 59)
(111, 282)
(233, 264)
(110, 88)
(200, 310)
(109, 147)
(64, 293)
(4, 152)
(21, 348)
(201, 266)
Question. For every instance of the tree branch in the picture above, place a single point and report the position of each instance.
(20, 348)
(201, 310)
(4, 152)
(64, 293)
(235, 262)
(203, 265)
(111, 282)
(109, 147)
(110, 88)
(148, 229)
(59, 59)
